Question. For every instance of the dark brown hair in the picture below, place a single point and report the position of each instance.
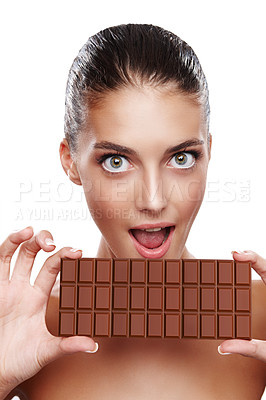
(132, 54)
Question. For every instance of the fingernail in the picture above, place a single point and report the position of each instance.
(20, 230)
(50, 242)
(95, 349)
(238, 252)
(220, 351)
(74, 250)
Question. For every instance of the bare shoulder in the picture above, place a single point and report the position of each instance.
(258, 310)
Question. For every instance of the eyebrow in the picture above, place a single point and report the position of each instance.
(105, 145)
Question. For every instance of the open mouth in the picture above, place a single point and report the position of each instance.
(152, 238)
(152, 243)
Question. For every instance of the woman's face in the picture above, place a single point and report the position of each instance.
(143, 162)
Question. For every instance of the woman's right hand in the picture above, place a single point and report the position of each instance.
(26, 345)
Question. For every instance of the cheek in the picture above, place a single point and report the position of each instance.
(194, 191)
(187, 194)
(115, 199)
(110, 199)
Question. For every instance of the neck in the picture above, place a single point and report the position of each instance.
(105, 252)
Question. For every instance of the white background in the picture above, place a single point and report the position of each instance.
(39, 41)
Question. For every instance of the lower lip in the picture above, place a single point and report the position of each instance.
(158, 252)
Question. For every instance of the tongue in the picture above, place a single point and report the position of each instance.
(149, 239)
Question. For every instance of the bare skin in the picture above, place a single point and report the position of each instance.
(150, 186)
(26, 344)
(42, 366)
(153, 369)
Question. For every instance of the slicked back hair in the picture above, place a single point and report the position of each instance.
(127, 55)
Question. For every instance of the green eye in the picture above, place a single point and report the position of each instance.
(116, 164)
(182, 160)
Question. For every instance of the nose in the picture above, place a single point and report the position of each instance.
(150, 193)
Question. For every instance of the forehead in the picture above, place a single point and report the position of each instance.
(144, 117)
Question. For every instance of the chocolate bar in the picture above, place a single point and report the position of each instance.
(189, 298)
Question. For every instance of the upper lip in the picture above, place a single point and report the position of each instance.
(151, 226)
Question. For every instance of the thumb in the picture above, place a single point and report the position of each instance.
(258, 263)
(250, 348)
(60, 346)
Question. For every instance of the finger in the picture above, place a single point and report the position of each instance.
(250, 348)
(257, 262)
(59, 346)
(8, 248)
(47, 275)
(27, 254)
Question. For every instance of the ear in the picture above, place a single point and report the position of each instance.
(68, 164)
(210, 145)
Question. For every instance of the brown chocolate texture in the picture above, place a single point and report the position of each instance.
(204, 299)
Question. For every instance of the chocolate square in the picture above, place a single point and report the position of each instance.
(86, 269)
(208, 299)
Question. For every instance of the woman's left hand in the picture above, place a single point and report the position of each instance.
(250, 348)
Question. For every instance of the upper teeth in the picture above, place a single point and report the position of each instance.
(152, 229)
